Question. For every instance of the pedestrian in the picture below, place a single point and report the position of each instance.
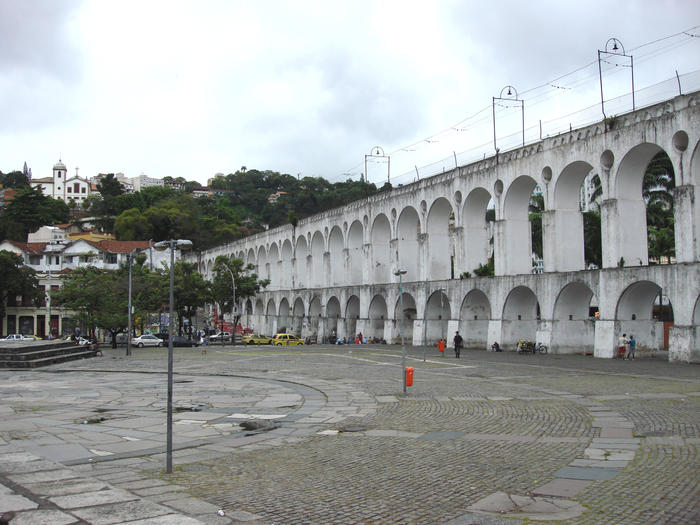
(622, 345)
(632, 342)
(458, 344)
(495, 347)
(441, 347)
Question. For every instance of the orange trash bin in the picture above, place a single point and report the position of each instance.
(409, 376)
(441, 345)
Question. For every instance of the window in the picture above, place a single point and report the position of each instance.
(43, 295)
(68, 189)
(69, 259)
(82, 190)
(111, 258)
(76, 187)
(35, 259)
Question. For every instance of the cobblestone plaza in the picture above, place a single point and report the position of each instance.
(324, 434)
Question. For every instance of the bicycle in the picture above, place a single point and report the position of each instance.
(526, 347)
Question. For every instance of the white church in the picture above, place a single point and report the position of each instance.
(61, 186)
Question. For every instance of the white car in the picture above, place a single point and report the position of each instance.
(17, 337)
(146, 340)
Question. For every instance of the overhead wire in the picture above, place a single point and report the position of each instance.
(548, 89)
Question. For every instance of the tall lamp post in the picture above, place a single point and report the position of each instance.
(233, 305)
(400, 272)
(130, 259)
(172, 244)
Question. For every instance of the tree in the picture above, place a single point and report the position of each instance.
(109, 186)
(17, 280)
(14, 179)
(100, 297)
(131, 225)
(29, 210)
(536, 208)
(246, 282)
(190, 291)
(592, 241)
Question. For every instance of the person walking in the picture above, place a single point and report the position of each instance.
(458, 344)
(632, 345)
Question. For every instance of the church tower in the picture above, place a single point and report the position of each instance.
(59, 180)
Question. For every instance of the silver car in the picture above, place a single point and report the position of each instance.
(146, 340)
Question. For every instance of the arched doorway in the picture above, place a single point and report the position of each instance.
(520, 316)
(437, 314)
(474, 320)
(573, 328)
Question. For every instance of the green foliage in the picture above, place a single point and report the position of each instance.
(109, 186)
(13, 179)
(246, 281)
(131, 225)
(593, 246)
(485, 270)
(536, 207)
(17, 280)
(190, 290)
(29, 210)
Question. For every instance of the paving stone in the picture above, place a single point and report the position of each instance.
(43, 517)
(65, 487)
(587, 473)
(168, 519)
(563, 488)
(44, 475)
(86, 499)
(15, 502)
(120, 512)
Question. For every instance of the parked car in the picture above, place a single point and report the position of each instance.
(146, 340)
(225, 336)
(32, 337)
(257, 339)
(179, 340)
(287, 340)
(17, 337)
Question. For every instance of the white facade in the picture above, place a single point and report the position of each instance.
(64, 187)
(144, 181)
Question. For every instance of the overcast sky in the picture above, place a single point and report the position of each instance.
(185, 88)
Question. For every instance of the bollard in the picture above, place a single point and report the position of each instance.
(409, 376)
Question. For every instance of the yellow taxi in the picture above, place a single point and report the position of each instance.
(257, 339)
(286, 340)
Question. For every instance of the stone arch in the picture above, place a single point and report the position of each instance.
(474, 317)
(274, 263)
(251, 259)
(318, 273)
(476, 229)
(336, 249)
(352, 314)
(627, 230)
(634, 314)
(300, 263)
(355, 253)
(520, 316)
(515, 255)
(332, 315)
(270, 318)
(381, 259)
(573, 328)
(563, 235)
(404, 320)
(408, 248)
(249, 313)
(298, 315)
(437, 314)
(440, 248)
(315, 318)
(286, 271)
(283, 318)
(378, 316)
(263, 268)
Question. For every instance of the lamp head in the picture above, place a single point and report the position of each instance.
(400, 272)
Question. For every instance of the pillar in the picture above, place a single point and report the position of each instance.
(686, 236)
(495, 332)
(623, 232)
(683, 345)
(605, 340)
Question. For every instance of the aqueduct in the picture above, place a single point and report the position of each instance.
(335, 272)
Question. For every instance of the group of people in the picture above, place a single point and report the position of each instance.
(626, 347)
(359, 339)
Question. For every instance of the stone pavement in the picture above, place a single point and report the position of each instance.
(324, 434)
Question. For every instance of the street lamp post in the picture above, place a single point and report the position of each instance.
(172, 244)
(400, 272)
(233, 305)
(130, 259)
